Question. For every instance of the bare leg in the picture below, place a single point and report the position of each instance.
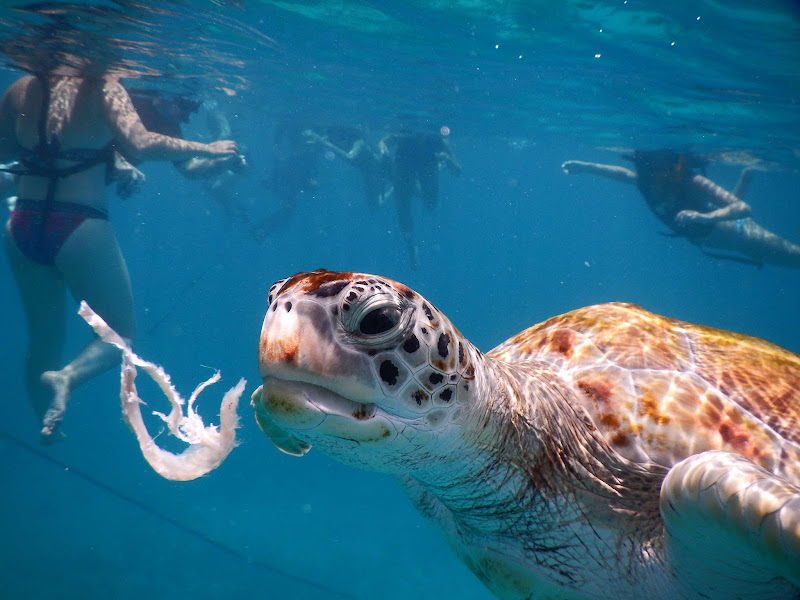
(744, 180)
(92, 265)
(372, 190)
(748, 238)
(403, 195)
(429, 185)
(43, 297)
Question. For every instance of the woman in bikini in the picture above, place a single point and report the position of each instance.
(696, 208)
(63, 130)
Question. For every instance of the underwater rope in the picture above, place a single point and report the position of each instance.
(174, 522)
(188, 287)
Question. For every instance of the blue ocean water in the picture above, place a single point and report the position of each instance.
(522, 86)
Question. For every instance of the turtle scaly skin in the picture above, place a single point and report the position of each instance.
(607, 452)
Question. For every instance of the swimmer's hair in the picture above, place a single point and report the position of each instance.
(183, 106)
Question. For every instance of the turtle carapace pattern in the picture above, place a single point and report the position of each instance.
(605, 453)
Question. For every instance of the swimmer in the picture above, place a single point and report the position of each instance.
(414, 168)
(165, 114)
(696, 208)
(63, 129)
(349, 144)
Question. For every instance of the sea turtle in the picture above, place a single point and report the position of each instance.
(605, 453)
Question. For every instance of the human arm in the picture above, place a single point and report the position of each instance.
(204, 168)
(730, 207)
(128, 178)
(383, 145)
(348, 155)
(622, 174)
(448, 159)
(139, 143)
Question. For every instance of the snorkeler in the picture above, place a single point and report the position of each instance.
(414, 168)
(163, 113)
(696, 208)
(349, 144)
(62, 127)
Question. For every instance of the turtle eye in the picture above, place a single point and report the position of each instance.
(379, 320)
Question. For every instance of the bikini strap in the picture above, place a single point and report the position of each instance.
(41, 160)
(43, 147)
(44, 151)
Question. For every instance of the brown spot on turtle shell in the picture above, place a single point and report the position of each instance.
(651, 409)
(620, 438)
(562, 342)
(599, 390)
(610, 420)
(734, 436)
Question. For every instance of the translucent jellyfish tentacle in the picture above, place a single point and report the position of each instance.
(208, 446)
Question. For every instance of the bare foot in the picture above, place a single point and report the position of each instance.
(59, 383)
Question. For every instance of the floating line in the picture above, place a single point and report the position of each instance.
(91, 480)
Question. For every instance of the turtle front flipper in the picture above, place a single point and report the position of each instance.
(283, 440)
(731, 524)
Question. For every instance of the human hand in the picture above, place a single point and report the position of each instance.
(129, 180)
(571, 167)
(312, 137)
(686, 218)
(236, 163)
(223, 147)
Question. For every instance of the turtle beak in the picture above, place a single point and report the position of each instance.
(283, 440)
(283, 406)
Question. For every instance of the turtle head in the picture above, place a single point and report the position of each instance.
(361, 367)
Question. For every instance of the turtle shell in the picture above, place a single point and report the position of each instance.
(659, 389)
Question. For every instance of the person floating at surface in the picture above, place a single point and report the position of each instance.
(415, 166)
(164, 114)
(696, 208)
(349, 144)
(62, 127)
(294, 173)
